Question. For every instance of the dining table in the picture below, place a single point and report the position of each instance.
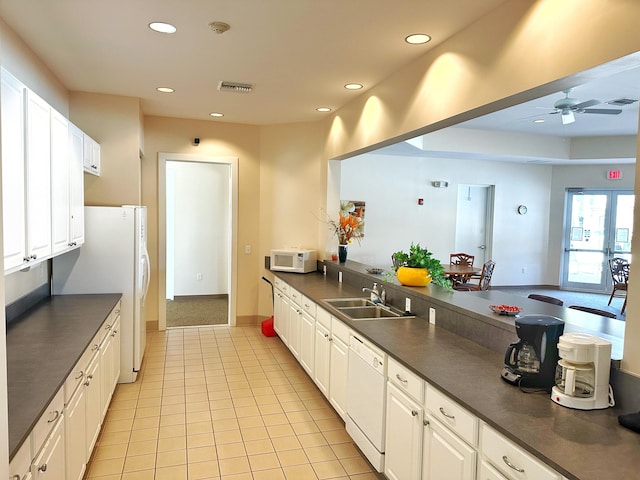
(451, 269)
(459, 273)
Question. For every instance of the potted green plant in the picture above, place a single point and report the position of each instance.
(418, 268)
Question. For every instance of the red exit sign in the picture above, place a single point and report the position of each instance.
(614, 175)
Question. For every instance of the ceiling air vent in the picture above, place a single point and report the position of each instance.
(621, 102)
(235, 87)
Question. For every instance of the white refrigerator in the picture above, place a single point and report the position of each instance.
(113, 259)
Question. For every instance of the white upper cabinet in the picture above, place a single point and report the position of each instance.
(91, 156)
(42, 178)
(76, 186)
(13, 170)
(60, 183)
(38, 162)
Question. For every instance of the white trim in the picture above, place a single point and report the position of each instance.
(164, 157)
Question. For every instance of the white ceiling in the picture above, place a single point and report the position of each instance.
(298, 53)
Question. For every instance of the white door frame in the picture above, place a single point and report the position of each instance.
(163, 158)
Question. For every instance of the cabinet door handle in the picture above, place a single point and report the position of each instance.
(505, 459)
(425, 422)
(80, 375)
(403, 380)
(42, 468)
(95, 347)
(107, 327)
(16, 477)
(414, 413)
(56, 414)
(326, 335)
(442, 411)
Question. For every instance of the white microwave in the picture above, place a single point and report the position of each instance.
(294, 261)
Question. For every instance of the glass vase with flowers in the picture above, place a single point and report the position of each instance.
(348, 227)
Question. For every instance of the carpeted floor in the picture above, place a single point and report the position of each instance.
(594, 300)
(189, 311)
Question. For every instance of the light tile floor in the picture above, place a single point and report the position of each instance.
(223, 403)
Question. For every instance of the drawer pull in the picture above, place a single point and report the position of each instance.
(42, 468)
(56, 414)
(505, 459)
(442, 411)
(425, 422)
(80, 375)
(16, 477)
(95, 347)
(107, 327)
(414, 413)
(403, 380)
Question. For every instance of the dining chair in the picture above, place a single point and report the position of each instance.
(619, 268)
(595, 311)
(461, 259)
(484, 280)
(546, 298)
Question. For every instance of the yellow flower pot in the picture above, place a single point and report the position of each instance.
(413, 277)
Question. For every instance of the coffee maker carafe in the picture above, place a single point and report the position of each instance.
(582, 374)
(531, 362)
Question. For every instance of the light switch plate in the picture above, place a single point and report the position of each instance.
(432, 316)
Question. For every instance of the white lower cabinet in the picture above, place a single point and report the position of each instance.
(307, 343)
(295, 320)
(338, 370)
(75, 434)
(486, 471)
(49, 463)
(281, 315)
(403, 441)
(62, 439)
(20, 466)
(511, 460)
(445, 455)
(322, 358)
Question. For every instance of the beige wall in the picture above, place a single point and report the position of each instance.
(113, 122)
(172, 135)
(521, 45)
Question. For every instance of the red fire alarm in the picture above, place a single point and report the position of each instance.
(421, 201)
(614, 175)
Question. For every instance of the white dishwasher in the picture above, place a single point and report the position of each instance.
(366, 397)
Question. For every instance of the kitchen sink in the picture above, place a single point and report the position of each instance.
(364, 309)
(349, 302)
(369, 311)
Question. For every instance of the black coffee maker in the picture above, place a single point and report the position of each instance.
(532, 361)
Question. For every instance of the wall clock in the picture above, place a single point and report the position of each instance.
(522, 209)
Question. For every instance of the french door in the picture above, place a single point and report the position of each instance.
(599, 226)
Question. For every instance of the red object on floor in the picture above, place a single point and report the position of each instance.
(267, 328)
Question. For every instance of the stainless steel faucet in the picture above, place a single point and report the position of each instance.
(380, 297)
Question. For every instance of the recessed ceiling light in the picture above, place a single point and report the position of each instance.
(353, 86)
(216, 114)
(323, 109)
(540, 120)
(417, 38)
(165, 89)
(162, 27)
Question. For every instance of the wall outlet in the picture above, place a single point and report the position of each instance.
(407, 304)
(523, 270)
(247, 249)
(432, 316)
(198, 276)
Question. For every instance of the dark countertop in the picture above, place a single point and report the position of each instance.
(584, 445)
(43, 346)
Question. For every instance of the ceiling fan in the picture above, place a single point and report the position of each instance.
(567, 107)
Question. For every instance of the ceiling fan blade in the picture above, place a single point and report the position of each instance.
(603, 111)
(567, 117)
(588, 103)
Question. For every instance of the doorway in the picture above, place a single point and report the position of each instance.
(598, 227)
(197, 223)
(474, 220)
